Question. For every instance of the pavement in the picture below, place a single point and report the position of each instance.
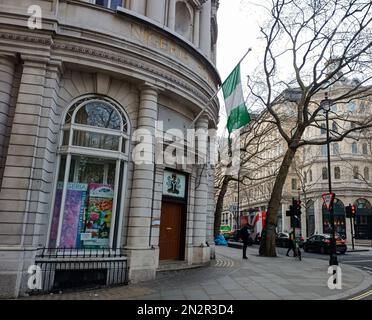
(231, 278)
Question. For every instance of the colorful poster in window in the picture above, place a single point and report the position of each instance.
(98, 216)
(73, 216)
(174, 184)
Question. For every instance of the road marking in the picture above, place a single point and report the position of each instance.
(222, 262)
(363, 295)
(356, 261)
(369, 269)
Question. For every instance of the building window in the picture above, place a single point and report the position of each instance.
(366, 173)
(294, 184)
(337, 173)
(351, 106)
(323, 150)
(92, 161)
(354, 148)
(305, 177)
(112, 4)
(334, 127)
(311, 175)
(336, 149)
(365, 148)
(323, 129)
(324, 173)
(356, 172)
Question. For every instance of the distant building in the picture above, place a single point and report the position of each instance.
(351, 163)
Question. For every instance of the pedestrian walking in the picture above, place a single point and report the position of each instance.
(291, 244)
(244, 235)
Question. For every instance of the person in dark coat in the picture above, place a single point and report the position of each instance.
(244, 235)
(291, 244)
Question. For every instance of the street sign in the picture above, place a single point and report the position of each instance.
(328, 199)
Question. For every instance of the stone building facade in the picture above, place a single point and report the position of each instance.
(307, 180)
(73, 92)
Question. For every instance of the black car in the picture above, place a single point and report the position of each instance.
(282, 240)
(322, 243)
(236, 237)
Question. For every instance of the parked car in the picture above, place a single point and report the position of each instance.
(236, 237)
(282, 240)
(322, 243)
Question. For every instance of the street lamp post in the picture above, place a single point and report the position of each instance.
(326, 106)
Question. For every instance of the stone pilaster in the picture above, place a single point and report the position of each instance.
(172, 14)
(155, 10)
(205, 29)
(143, 258)
(196, 38)
(27, 180)
(138, 6)
(201, 252)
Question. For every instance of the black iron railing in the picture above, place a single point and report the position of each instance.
(66, 269)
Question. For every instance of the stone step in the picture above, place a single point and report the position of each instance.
(177, 265)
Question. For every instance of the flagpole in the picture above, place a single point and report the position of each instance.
(216, 93)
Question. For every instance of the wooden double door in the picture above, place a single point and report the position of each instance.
(171, 237)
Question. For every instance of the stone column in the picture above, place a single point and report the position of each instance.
(197, 28)
(201, 253)
(7, 76)
(172, 14)
(205, 28)
(23, 195)
(142, 259)
(155, 10)
(138, 6)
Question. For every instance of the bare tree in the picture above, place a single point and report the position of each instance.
(311, 47)
(254, 140)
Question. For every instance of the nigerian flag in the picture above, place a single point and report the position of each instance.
(237, 114)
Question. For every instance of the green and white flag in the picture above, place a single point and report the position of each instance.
(237, 113)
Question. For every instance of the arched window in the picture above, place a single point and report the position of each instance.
(339, 218)
(366, 173)
(337, 173)
(310, 218)
(324, 173)
(354, 148)
(311, 175)
(334, 127)
(365, 148)
(183, 24)
(356, 172)
(90, 182)
(363, 219)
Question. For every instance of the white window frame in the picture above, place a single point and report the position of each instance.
(70, 150)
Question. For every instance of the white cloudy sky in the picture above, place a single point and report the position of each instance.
(238, 24)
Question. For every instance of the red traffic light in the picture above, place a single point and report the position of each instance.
(353, 210)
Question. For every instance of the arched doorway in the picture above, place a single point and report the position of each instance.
(310, 218)
(339, 214)
(363, 219)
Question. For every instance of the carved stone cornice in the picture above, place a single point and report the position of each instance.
(108, 56)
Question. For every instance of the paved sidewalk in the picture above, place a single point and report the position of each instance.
(229, 277)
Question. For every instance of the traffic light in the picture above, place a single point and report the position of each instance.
(292, 209)
(350, 211)
(353, 210)
(298, 208)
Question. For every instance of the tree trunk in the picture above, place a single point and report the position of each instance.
(219, 205)
(267, 244)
